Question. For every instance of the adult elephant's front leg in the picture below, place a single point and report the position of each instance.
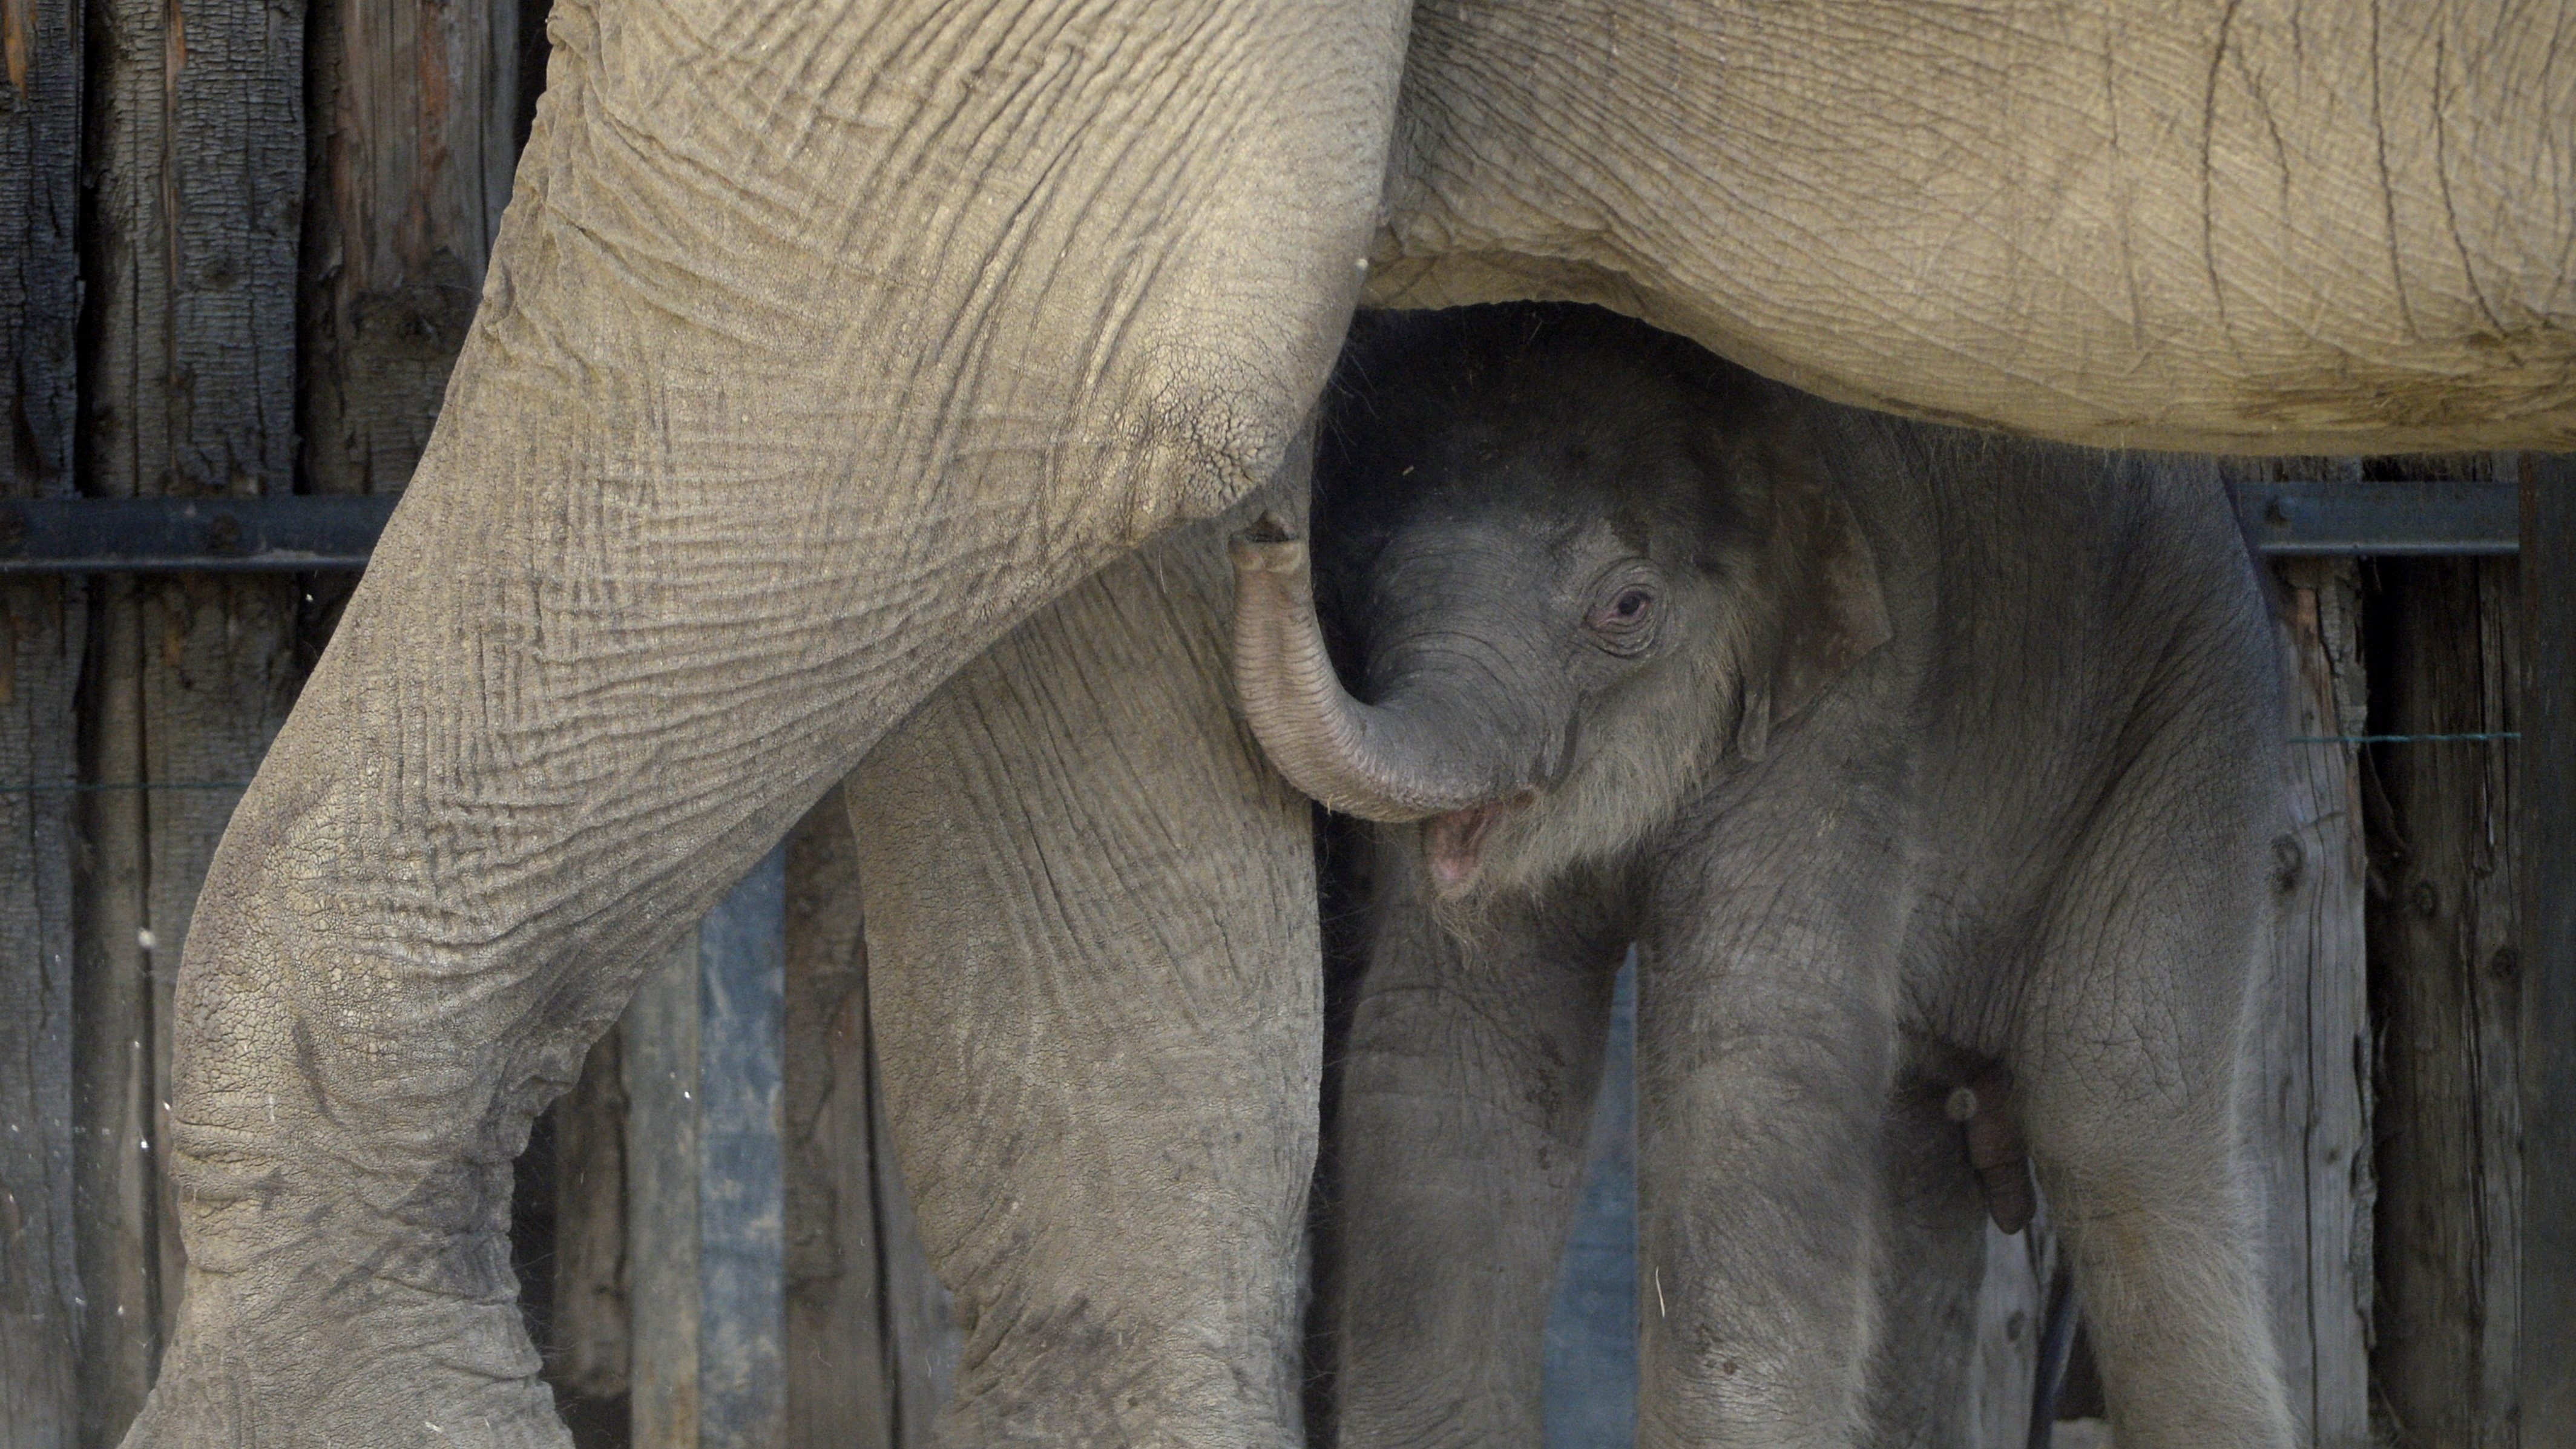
(1095, 976)
(822, 345)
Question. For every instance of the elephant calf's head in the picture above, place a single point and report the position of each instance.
(1567, 561)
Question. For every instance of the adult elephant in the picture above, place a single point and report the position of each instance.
(825, 346)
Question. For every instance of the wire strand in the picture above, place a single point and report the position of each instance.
(87, 787)
(2404, 739)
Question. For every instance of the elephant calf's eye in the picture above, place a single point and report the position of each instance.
(1624, 623)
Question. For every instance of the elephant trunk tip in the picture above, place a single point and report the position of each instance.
(1351, 757)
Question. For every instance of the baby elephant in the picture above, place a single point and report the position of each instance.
(1896, 752)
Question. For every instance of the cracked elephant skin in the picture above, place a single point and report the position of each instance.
(828, 346)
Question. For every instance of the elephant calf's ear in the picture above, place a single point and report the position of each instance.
(1834, 613)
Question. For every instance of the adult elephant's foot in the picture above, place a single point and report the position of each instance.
(382, 1363)
(341, 1136)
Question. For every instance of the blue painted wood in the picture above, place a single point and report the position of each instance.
(1591, 1367)
(742, 1265)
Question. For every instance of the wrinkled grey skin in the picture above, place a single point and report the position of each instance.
(827, 346)
(2028, 824)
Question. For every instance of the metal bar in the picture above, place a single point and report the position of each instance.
(311, 532)
(291, 533)
(2545, 849)
(2415, 516)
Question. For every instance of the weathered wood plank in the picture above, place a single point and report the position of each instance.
(706, 1267)
(198, 162)
(858, 1357)
(41, 638)
(196, 152)
(2546, 850)
(40, 1292)
(115, 1174)
(40, 81)
(2309, 1122)
(417, 125)
(838, 1366)
(660, 1055)
(660, 1058)
(586, 1358)
(2444, 963)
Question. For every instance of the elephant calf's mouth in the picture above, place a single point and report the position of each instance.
(1453, 844)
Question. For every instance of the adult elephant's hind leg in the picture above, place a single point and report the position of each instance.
(1096, 981)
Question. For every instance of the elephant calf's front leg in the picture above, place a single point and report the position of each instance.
(1465, 1108)
(1766, 1054)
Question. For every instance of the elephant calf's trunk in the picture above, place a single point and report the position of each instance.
(1355, 758)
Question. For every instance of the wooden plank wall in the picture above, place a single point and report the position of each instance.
(42, 636)
(661, 1059)
(197, 249)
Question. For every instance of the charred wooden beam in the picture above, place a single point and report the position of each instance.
(418, 115)
(2546, 851)
(41, 639)
(2445, 997)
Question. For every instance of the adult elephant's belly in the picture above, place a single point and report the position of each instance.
(2194, 228)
